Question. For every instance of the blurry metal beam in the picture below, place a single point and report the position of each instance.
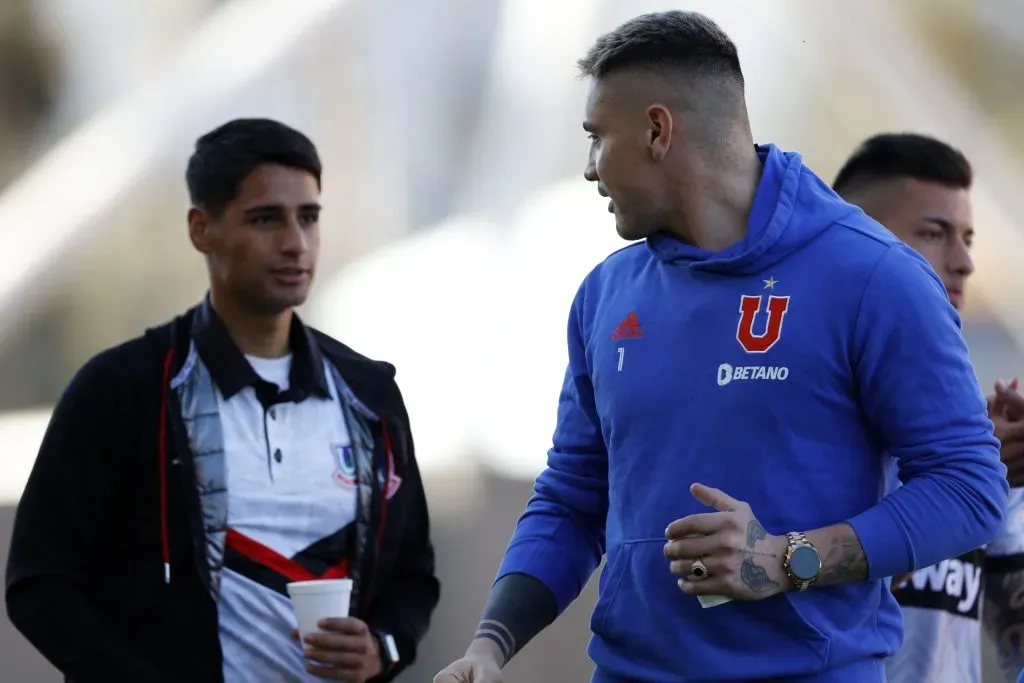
(533, 98)
(47, 210)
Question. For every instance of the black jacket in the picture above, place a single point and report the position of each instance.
(112, 499)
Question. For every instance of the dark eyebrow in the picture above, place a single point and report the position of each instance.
(278, 209)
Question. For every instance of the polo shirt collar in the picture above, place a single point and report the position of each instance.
(231, 372)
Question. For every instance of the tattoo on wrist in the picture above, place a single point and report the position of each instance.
(497, 632)
(754, 576)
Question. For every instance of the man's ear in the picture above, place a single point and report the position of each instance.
(200, 228)
(659, 131)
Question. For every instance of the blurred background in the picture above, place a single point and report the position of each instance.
(457, 225)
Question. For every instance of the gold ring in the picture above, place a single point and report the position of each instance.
(698, 570)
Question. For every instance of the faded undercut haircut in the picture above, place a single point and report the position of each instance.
(904, 155)
(683, 41)
(224, 158)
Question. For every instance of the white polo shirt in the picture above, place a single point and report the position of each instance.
(942, 606)
(291, 507)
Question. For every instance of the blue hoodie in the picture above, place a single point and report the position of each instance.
(779, 370)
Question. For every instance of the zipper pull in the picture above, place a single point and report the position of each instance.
(167, 572)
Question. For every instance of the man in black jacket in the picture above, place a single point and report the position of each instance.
(188, 475)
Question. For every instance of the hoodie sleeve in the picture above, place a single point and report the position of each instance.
(559, 540)
(922, 400)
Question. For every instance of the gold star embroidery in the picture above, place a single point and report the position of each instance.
(770, 282)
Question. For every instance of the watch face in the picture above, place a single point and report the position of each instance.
(805, 563)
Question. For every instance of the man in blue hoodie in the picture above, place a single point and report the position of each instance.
(733, 383)
(919, 188)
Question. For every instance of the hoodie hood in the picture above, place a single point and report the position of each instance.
(792, 206)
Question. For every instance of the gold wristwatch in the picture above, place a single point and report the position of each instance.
(802, 562)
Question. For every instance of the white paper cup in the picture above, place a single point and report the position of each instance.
(316, 600)
(712, 600)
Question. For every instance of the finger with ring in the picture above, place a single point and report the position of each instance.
(698, 570)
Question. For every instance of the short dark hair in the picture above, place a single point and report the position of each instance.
(678, 39)
(224, 158)
(905, 155)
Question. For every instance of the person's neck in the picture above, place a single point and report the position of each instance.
(716, 208)
(262, 336)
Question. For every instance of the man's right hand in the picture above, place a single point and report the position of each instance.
(482, 664)
(1006, 410)
(470, 670)
(1006, 401)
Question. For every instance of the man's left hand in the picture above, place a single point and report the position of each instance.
(344, 650)
(743, 561)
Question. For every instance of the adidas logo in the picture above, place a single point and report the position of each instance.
(628, 328)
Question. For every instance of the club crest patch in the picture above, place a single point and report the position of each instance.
(345, 464)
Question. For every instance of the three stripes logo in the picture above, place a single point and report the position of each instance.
(629, 328)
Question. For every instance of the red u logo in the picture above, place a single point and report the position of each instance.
(749, 306)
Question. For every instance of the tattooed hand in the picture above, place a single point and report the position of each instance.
(743, 561)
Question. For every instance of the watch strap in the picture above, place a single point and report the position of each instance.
(387, 649)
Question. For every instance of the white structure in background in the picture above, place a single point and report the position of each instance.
(558, 236)
(1002, 17)
(111, 156)
(530, 115)
(479, 337)
(423, 305)
(20, 433)
(475, 321)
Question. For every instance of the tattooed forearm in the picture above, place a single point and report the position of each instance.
(1003, 617)
(519, 608)
(842, 556)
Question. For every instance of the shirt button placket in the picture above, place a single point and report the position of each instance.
(273, 437)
